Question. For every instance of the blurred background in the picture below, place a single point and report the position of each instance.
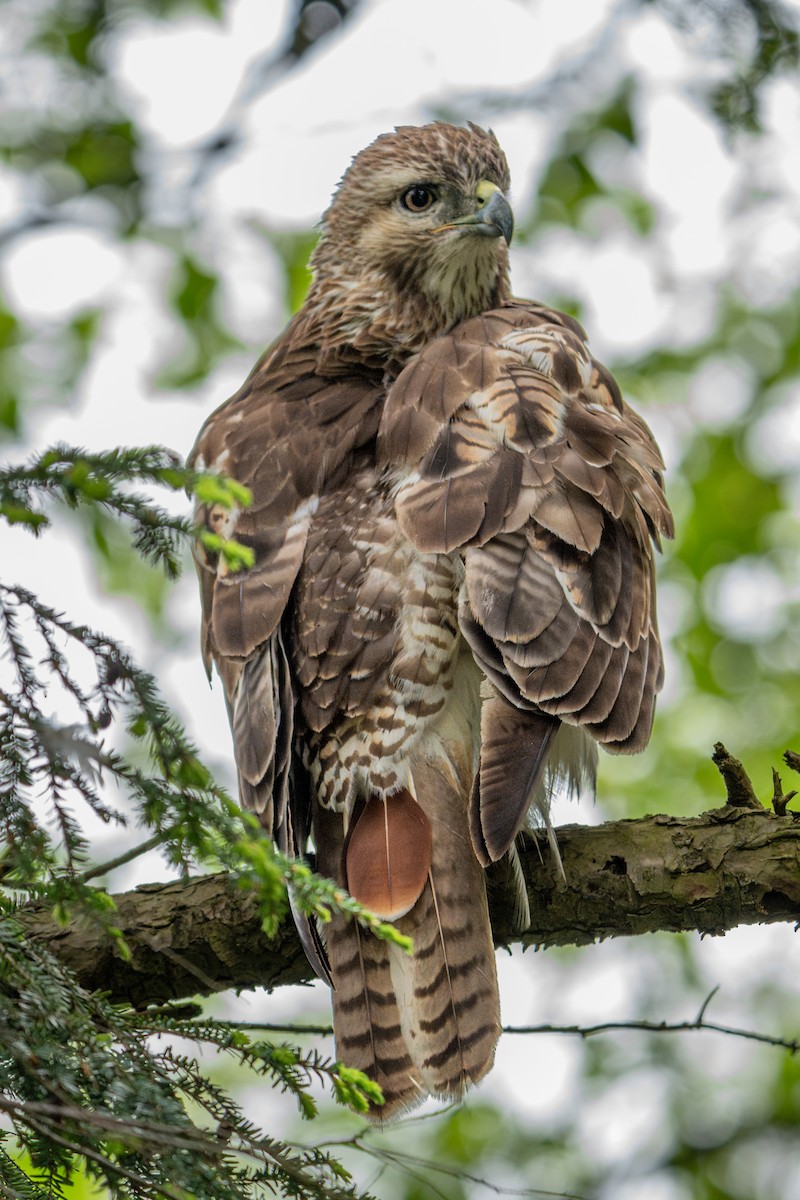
(162, 168)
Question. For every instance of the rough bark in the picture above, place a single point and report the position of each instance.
(732, 866)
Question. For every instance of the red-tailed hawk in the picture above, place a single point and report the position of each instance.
(453, 595)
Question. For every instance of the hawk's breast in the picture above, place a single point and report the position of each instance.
(374, 641)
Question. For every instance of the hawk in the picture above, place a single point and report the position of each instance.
(452, 599)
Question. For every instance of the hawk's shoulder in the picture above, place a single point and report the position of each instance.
(479, 424)
(290, 432)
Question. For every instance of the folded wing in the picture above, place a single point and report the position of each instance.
(288, 434)
(513, 447)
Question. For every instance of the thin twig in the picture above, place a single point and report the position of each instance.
(737, 781)
(192, 969)
(584, 1031)
(701, 1014)
(792, 760)
(268, 1027)
(403, 1160)
(143, 848)
(587, 1031)
(779, 800)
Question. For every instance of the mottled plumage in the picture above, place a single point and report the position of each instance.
(452, 599)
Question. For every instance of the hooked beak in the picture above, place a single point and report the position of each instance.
(492, 218)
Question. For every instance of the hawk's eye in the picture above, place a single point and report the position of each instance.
(418, 198)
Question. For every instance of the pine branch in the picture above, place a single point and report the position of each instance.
(75, 477)
(81, 1079)
(731, 866)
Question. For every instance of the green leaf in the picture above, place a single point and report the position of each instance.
(236, 556)
(219, 489)
(16, 514)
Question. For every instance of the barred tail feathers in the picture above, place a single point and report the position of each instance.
(454, 1015)
(366, 1020)
(428, 1023)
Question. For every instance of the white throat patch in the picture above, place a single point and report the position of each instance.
(461, 277)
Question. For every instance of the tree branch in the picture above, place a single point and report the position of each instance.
(731, 866)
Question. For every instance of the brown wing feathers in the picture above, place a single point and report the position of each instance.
(527, 458)
(501, 796)
(558, 558)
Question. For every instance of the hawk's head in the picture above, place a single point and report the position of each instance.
(416, 237)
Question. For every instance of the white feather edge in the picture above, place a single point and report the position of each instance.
(571, 770)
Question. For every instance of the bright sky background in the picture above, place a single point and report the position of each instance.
(397, 62)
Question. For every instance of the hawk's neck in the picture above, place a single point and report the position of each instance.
(388, 320)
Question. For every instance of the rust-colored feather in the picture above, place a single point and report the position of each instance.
(388, 854)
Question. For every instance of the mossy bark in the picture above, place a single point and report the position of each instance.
(731, 866)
